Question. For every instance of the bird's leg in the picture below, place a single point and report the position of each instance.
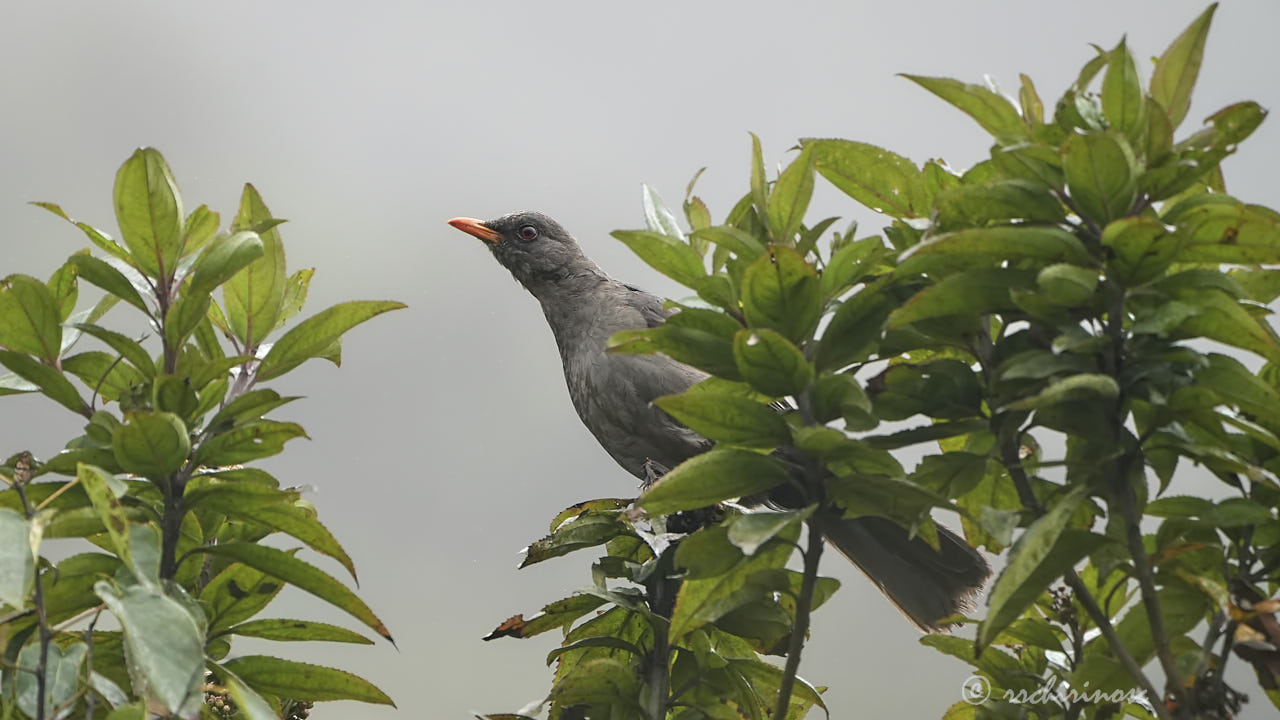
(653, 471)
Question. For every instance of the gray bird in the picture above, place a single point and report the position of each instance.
(614, 394)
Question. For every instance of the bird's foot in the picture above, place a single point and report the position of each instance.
(653, 471)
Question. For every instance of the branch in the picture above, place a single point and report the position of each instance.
(804, 604)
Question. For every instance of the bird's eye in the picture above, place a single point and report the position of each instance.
(528, 232)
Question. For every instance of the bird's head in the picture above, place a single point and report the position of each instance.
(537, 251)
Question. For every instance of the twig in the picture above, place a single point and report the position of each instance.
(92, 697)
(804, 604)
(658, 670)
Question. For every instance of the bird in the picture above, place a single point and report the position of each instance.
(614, 393)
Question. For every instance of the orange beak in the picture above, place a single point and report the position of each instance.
(472, 226)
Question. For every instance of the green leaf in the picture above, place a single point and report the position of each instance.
(947, 389)
(253, 296)
(992, 110)
(770, 363)
(51, 382)
(248, 703)
(759, 185)
(1141, 249)
(856, 326)
(781, 291)
(65, 290)
(702, 601)
(1177, 69)
(62, 667)
(273, 509)
(302, 575)
(1076, 387)
(709, 478)
(164, 641)
(97, 485)
(199, 228)
(149, 211)
(292, 679)
(96, 236)
(883, 181)
(739, 242)
(102, 274)
(727, 418)
(128, 348)
(291, 630)
(749, 532)
(1101, 175)
(237, 593)
(1221, 317)
(1067, 285)
(992, 246)
(151, 444)
(1123, 101)
(704, 350)
(222, 259)
(850, 265)
(669, 256)
(966, 293)
(1003, 200)
(552, 616)
(790, 197)
(30, 321)
(1029, 100)
(1034, 162)
(250, 441)
(313, 336)
(586, 531)
(1220, 230)
(17, 558)
(295, 295)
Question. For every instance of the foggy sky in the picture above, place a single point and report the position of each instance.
(446, 441)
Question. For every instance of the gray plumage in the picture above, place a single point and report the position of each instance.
(614, 393)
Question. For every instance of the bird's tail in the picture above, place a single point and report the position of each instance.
(927, 585)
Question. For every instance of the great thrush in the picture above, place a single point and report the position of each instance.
(614, 394)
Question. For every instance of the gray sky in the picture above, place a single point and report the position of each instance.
(446, 441)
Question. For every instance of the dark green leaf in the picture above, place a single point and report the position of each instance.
(947, 389)
(1083, 386)
(856, 326)
(128, 348)
(149, 211)
(102, 274)
(237, 593)
(711, 477)
(702, 601)
(726, 418)
(1177, 69)
(702, 349)
(992, 246)
(250, 441)
(1101, 175)
(1067, 285)
(991, 109)
(790, 197)
(151, 444)
(223, 258)
(770, 363)
(289, 630)
(286, 567)
(1142, 249)
(739, 242)
(1225, 231)
(51, 382)
(669, 256)
(966, 293)
(780, 291)
(30, 321)
(292, 679)
(315, 335)
(883, 181)
(1221, 317)
(1003, 200)
(1123, 101)
(552, 616)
